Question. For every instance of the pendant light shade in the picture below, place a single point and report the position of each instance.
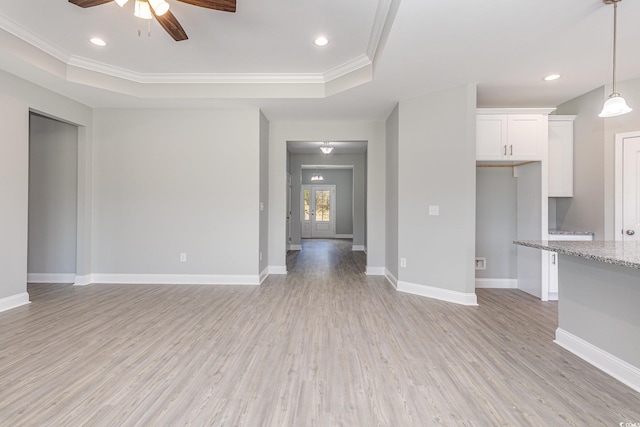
(121, 2)
(615, 105)
(317, 176)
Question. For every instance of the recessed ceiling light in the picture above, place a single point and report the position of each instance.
(98, 41)
(551, 77)
(321, 41)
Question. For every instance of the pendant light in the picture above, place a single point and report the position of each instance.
(615, 105)
(326, 148)
(317, 176)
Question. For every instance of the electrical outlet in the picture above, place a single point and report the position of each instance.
(403, 262)
(434, 210)
(183, 257)
(481, 263)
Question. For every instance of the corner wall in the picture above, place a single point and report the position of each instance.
(437, 167)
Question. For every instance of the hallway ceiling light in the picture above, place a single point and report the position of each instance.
(317, 176)
(321, 41)
(326, 148)
(551, 77)
(615, 105)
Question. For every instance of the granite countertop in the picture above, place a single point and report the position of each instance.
(570, 232)
(626, 254)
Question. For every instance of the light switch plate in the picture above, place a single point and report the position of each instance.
(434, 210)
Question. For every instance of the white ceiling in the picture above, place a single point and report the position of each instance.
(263, 56)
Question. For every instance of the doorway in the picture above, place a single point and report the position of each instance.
(318, 211)
(627, 187)
(53, 201)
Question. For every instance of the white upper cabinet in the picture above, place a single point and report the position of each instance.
(511, 136)
(561, 156)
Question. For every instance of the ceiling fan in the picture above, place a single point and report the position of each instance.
(167, 20)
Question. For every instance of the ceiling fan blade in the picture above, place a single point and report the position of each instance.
(89, 3)
(223, 5)
(171, 25)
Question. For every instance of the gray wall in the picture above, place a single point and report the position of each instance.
(592, 206)
(17, 97)
(53, 186)
(437, 167)
(585, 210)
(359, 196)
(496, 222)
(169, 181)
(264, 193)
(343, 180)
(391, 255)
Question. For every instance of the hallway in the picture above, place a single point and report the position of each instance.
(325, 345)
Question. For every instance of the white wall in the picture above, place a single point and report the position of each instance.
(171, 181)
(437, 166)
(17, 97)
(53, 187)
(391, 255)
(496, 222)
(373, 133)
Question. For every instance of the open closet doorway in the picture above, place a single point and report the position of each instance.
(53, 200)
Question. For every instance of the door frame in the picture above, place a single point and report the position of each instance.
(618, 207)
(311, 187)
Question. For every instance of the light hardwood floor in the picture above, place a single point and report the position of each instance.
(323, 346)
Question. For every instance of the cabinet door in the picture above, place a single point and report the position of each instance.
(560, 158)
(491, 137)
(523, 136)
(553, 276)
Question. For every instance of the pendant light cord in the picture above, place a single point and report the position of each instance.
(615, 32)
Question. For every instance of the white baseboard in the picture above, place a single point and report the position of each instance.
(437, 293)
(343, 236)
(374, 271)
(295, 247)
(497, 283)
(607, 362)
(358, 248)
(391, 278)
(264, 274)
(50, 278)
(83, 280)
(277, 269)
(14, 301)
(552, 296)
(176, 279)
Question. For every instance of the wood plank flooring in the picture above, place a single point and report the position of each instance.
(323, 346)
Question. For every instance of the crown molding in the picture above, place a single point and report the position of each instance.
(33, 39)
(355, 71)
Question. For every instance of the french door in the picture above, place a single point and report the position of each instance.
(318, 211)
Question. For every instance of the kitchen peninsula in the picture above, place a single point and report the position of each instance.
(599, 303)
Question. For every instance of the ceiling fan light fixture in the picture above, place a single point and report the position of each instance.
(615, 105)
(121, 2)
(160, 7)
(326, 148)
(142, 10)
